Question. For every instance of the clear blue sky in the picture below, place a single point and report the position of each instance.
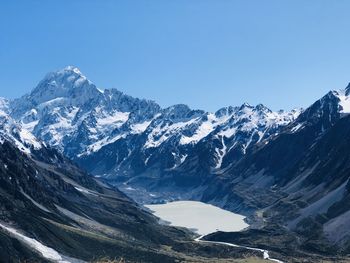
(205, 53)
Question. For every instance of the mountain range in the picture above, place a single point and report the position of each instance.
(287, 171)
(122, 138)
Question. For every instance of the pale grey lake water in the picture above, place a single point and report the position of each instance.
(200, 217)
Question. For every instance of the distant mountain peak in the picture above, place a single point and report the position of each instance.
(72, 68)
(69, 74)
(262, 107)
(68, 112)
(68, 82)
(246, 105)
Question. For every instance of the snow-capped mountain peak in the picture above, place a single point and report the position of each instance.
(344, 99)
(68, 112)
(66, 83)
(72, 68)
(67, 108)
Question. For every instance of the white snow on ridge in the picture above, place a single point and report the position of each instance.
(66, 108)
(56, 102)
(246, 118)
(120, 119)
(344, 101)
(72, 68)
(228, 132)
(27, 137)
(14, 132)
(221, 153)
(161, 133)
(297, 127)
(30, 125)
(140, 127)
(183, 158)
(115, 120)
(204, 129)
(46, 252)
(64, 124)
(101, 143)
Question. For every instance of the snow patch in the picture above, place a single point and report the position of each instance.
(344, 101)
(27, 137)
(45, 251)
(116, 119)
(221, 153)
(204, 129)
(297, 127)
(99, 144)
(140, 127)
(85, 191)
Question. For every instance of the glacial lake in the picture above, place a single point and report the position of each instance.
(199, 217)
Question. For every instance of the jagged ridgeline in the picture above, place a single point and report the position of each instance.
(123, 138)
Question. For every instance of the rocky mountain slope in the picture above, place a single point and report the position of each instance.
(299, 179)
(47, 199)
